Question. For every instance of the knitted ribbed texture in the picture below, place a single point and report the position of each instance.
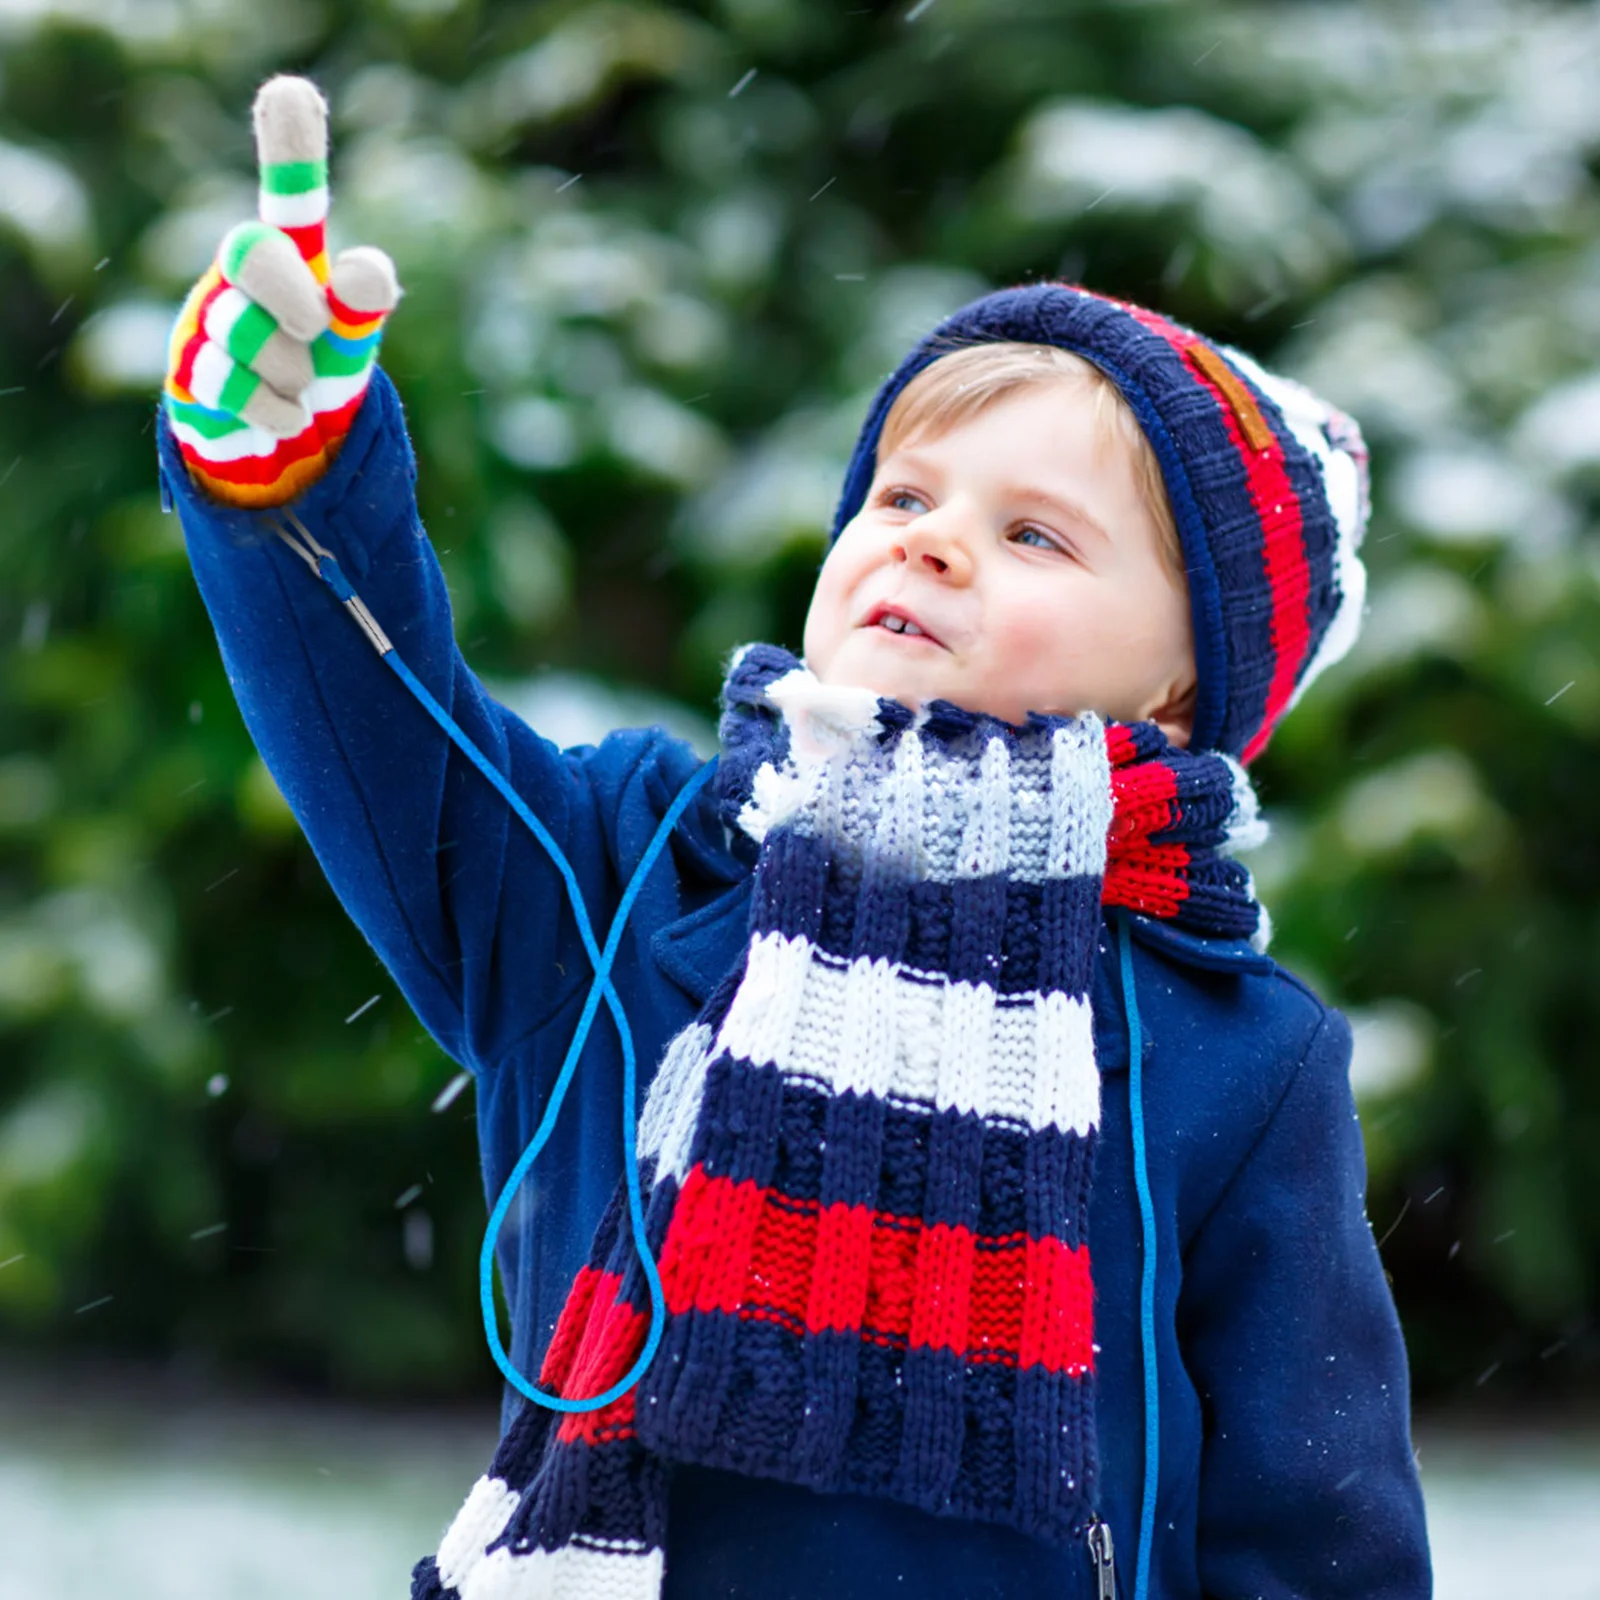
(870, 1156)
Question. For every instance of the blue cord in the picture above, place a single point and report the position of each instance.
(601, 986)
(1147, 1284)
(327, 568)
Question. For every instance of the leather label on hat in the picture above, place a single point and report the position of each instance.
(1255, 427)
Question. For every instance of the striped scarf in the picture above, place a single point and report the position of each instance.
(870, 1155)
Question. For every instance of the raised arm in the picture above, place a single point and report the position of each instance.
(1308, 1486)
(455, 895)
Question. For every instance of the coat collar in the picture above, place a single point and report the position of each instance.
(697, 949)
(1200, 950)
(1195, 951)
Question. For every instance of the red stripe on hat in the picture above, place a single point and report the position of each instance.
(896, 1281)
(1283, 552)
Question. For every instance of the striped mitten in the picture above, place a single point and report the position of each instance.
(273, 350)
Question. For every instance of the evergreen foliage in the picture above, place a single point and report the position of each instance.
(657, 258)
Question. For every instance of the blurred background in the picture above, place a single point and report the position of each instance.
(657, 258)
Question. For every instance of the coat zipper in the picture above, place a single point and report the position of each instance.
(1104, 1559)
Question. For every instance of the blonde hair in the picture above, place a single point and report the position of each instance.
(958, 386)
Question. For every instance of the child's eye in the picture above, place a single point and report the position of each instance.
(1045, 542)
(890, 497)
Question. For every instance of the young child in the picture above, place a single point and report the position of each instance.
(1006, 1194)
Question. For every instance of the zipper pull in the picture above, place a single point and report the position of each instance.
(1104, 1559)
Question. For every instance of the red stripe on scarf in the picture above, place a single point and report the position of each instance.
(753, 1253)
(1121, 746)
(1152, 879)
(597, 1338)
(574, 1317)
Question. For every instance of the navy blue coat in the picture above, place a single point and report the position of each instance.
(1285, 1465)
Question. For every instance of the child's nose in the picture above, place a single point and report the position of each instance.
(936, 545)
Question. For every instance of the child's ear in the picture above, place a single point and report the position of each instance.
(1175, 715)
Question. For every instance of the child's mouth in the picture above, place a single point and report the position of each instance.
(901, 625)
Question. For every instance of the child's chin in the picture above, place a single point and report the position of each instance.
(886, 684)
(914, 693)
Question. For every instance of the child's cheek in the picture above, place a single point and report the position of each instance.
(1055, 651)
(1044, 625)
(827, 619)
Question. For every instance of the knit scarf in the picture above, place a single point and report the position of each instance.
(869, 1157)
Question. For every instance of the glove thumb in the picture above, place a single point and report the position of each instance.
(362, 280)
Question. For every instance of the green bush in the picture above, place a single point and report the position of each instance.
(657, 259)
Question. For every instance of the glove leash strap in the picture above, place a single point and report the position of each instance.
(324, 566)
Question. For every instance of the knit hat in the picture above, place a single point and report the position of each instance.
(1268, 486)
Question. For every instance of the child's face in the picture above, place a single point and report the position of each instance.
(1021, 545)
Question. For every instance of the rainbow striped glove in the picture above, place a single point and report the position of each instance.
(273, 350)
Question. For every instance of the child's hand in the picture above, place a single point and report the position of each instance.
(274, 348)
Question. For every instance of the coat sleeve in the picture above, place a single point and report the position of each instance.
(1308, 1483)
(454, 893)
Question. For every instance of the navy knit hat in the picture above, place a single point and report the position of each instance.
(1268, 485)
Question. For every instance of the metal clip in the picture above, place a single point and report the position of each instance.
(323, 564)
